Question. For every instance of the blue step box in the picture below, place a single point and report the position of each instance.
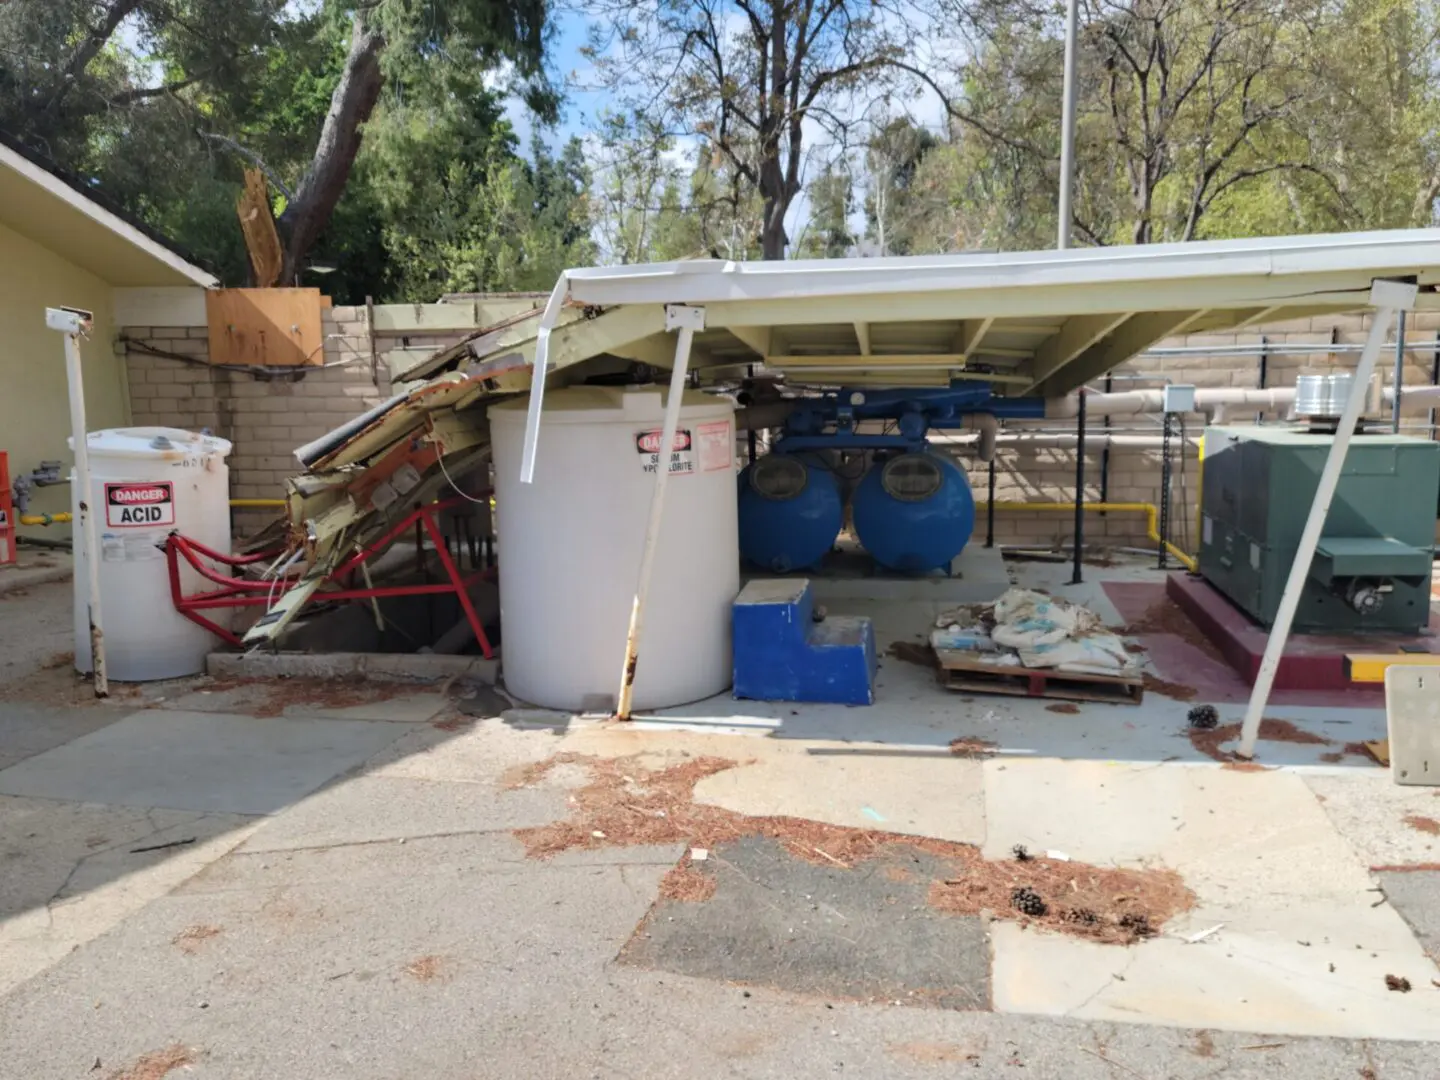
(782, 654)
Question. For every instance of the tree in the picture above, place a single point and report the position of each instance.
(1197, 118)
(291, 87)
(747, 77)
(893, 156)
(828, 234)
(395, 39)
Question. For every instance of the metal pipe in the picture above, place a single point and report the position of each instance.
(1399, 377)
(1164, 494)
(89, 534)
(1387, 297)
(1067, 128)
(1076, 575)
(1061, 441)
(990, 506)
(1105, 450)
(1264, 370)
(686, 320)
(44, 519)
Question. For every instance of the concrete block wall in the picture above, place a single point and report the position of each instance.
(265, 417)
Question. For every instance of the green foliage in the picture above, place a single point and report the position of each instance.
(439, 197)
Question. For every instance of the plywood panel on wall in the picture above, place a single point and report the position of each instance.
(265, 327)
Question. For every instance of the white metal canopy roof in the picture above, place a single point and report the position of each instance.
(1039, 323)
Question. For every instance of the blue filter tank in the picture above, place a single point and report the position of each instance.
(790, 512)
(913, 512)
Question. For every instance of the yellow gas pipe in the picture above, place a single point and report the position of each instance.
(65, 518)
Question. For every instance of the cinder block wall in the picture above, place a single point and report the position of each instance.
(265, 418)
(1048, 475)
(268, 419)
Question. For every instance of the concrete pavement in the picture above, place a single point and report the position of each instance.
(346, 898)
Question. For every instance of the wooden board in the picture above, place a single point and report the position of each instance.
(265, 327)
(257, 225)
(959, 670)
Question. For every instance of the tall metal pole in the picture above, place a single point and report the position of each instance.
(1077, 574)
(1386, 297)
(686, 320)
(72, 324)
(1399, 372)
(1067, 126)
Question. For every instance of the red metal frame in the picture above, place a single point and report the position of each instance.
(239, 592)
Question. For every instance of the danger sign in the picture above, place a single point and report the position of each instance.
(682, 458)
(140, 505)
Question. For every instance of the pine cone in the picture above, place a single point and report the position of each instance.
(1028, 902)
(1204, 717)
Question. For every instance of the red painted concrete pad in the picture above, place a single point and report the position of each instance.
(1309, 661)
(1185, 657)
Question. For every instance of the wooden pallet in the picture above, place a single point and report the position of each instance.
(960, 670)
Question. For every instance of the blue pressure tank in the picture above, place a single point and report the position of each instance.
(914, 512)
(790, 512)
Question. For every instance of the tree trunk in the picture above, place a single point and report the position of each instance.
(351, 104)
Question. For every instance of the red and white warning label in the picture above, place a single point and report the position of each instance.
(140, 505)
(682, 456)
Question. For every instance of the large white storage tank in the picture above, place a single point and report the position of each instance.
(144, 484)
(570, 546)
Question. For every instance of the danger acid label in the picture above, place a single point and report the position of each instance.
(682, 455)
(139, 505)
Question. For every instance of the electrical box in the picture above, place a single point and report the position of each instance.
(1179, 399)
(1371, 570)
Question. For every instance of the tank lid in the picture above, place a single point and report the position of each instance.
(152, 442)
(579, 404)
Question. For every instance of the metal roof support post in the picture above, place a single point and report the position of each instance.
(1399, 377)
(686, 320)
(1387, 298)
(540, 369)
(73, 323)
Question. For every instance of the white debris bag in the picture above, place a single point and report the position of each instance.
(1051, 633)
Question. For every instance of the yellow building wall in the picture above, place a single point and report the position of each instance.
(34, 399)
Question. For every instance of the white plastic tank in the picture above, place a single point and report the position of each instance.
(570, 546)
(145, 483)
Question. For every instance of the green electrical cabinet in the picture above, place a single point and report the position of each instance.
(1371, 570)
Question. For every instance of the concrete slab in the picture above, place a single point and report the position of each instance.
(777, 921)
(366, 810)
(1415, 894)
(474, 752)
(1387, 825)
(335, 665)
(32, 568)
(1262, 859)
(213, 762)
(71, 872)
(379, 969)
(27, 730)
(1236, 837)
(1235, 981)
(37, 629)
(267, 697)
(923, 794)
